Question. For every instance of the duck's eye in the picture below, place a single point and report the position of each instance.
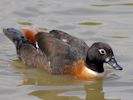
(102, 51)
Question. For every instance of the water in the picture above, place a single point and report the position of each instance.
(91, 20)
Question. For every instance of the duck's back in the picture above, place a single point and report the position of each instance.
(60, 54)
(74, 42)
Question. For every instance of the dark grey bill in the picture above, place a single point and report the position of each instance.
(112, 62)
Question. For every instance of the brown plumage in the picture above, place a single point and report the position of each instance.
(61, 53)
(29, 35)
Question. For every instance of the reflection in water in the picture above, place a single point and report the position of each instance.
(53, 95)
(53, 87)
(108, 5)
(95, 91)
(90, 23)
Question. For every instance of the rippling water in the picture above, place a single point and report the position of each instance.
(109, 21)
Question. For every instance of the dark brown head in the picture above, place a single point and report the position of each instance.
(98, 54)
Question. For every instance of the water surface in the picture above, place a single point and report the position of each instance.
(90, 20)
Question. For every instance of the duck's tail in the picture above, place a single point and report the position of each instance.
(15, 36)
(18, 37)
(29, 35)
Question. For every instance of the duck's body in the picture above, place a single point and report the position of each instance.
(61, 53)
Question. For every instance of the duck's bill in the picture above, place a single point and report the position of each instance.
(112, 62)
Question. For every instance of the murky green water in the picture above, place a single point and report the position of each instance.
(109, 21)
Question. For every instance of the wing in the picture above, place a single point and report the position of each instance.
(74, 42)
(60, 54)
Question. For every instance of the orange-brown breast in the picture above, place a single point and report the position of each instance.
(30, 35)
(79, 69)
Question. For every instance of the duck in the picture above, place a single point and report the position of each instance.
(58, 52)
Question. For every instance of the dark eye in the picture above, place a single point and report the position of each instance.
(102, 51)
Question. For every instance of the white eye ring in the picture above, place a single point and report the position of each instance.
(102, 51)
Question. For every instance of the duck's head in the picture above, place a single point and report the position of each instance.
(98, 54)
